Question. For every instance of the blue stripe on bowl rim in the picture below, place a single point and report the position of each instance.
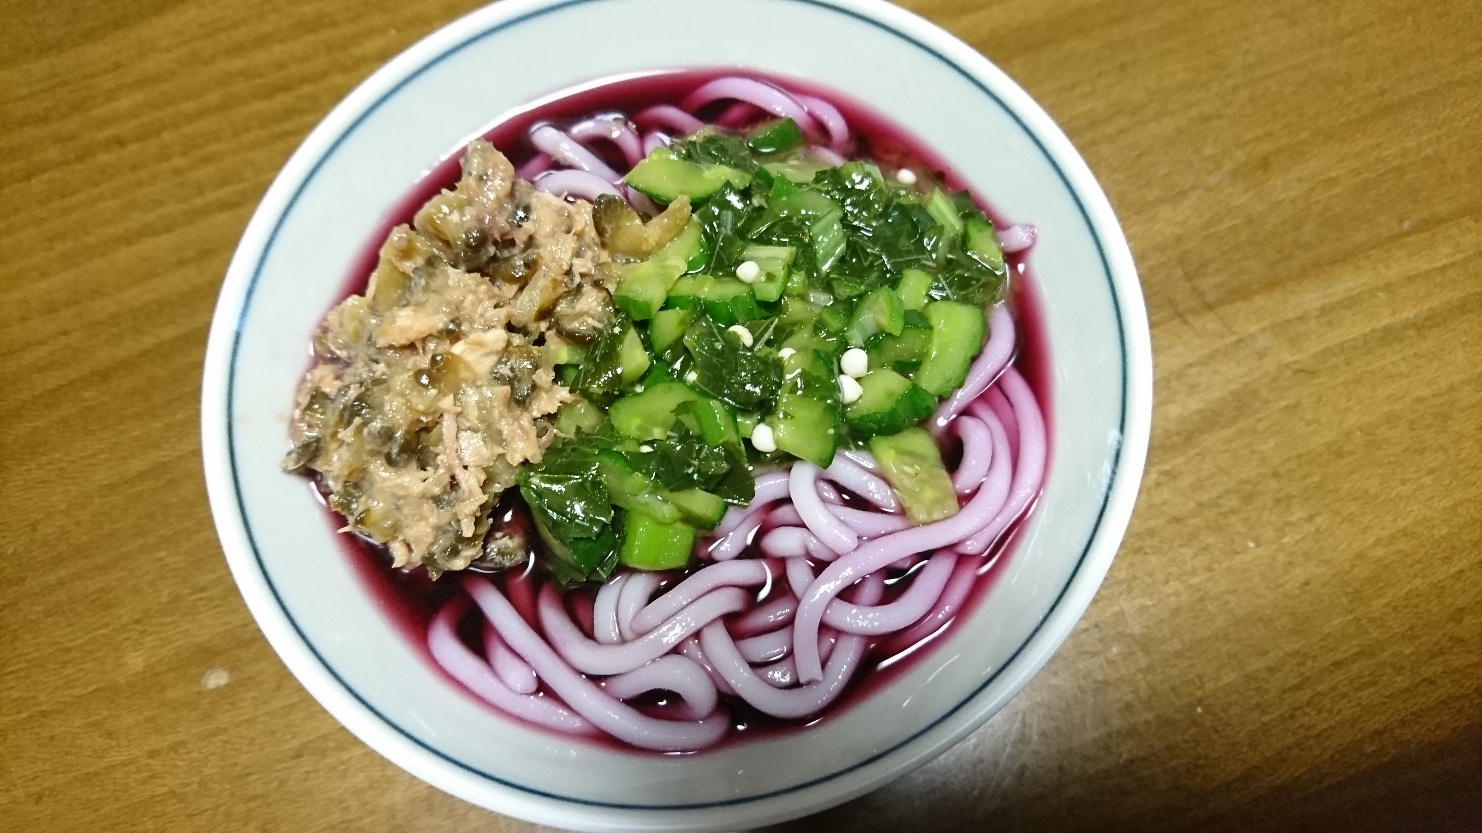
(262, 567)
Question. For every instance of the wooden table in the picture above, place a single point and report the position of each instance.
(1291, 637)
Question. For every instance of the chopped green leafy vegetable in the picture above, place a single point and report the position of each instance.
(600, 376)
(681, 460)
(725, 369)
(712, 147)
(566, 487)
(572, 509)
(577, 559)
(726, 345)
(721, 221)
(857, 188)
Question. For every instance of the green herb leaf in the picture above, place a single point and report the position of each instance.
(573, 560)
(710, 147)
(567, 489)
(721, 221)
(738, 486)
(682, 460)
(859, 191)
(723, 368)
(962, 277)
(600, 374)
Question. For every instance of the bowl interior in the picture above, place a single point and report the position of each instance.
(364, 159)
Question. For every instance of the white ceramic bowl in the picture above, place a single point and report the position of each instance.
(422, 107)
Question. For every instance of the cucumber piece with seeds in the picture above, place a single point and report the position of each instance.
(688, 292)
(904, 352)
(776, 267)
(578, 416)
(715, 421)
(634, 492)
(979, 238)
(912, 465)
(699, 507)
(730, 301)
(805, 423)
(633, 358)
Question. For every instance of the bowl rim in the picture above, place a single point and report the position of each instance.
(411, 754)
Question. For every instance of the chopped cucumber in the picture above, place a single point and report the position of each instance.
(940, 207)
(903, 353)
(833, 319)
(806, 203)
(805, 422)
(564, 352)
(776, 137)
(956, 339)
(980, 239)
(796, 285)
(664, 178)
(805, 428)
(727, 300)
(578, 415)
(825, 222)
(799, 169)
(795, 314)
(643, 287)
(913, 287)
(634, 492)
(716, 422)
(668, 326)
(880, 311)
(912, 464)
(699, 507)
(699, 258)
(688, 292)
(633, 358)
(650, 414)
(745, 422)
(817, 329)
(890, 403)
(776, 265)
(730, 301)
(652, 544)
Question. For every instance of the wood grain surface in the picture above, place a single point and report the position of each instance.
(1291, 637)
